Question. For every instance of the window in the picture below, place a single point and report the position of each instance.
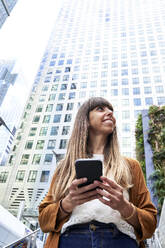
(83, 85)
(146, 80)
(59, 107)
(39, 108)
(52, 63)
(63, 144)
(61, 96)
(52, 97)
(135, 80)
(36, 159)
(114, 73)
(104, 74)
(46, 119)
(65, 77)
(63, 86)
(54, 131)
(134, 71)
(157, 79)
(126, 142)
(125, 91)
(68, 118)
(36, 118)
(82, 94)
(114, 82)
(57, 118)
(47, 79)
(137, 101)
(49, 108)
(159, 89)
(161, 100)
(136, 91)
(29, 144)
(126, 127)
(124, 81)
(125, 102)
(72, 95)
(20, 176)
(67, 69)
(124, 72)
(48, 158)
(148, 101)
(43, 131)
(24, 159)
(51, 144)
(60, 62)
(40, 144)
(70, 106)
(147, 90)
(93, 84)
(65, 130)
(32, 176)
(103, 83)
(73, 86)
(75, 76)
(69, 61)
(3, 176)
(32, 131)
(114, 92)
(114, 64)
(54, 87)
(125, 114)
(145, 70)
(44, 176)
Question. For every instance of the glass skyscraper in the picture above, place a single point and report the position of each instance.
(114, 49)
(6, 7)
(11, 104)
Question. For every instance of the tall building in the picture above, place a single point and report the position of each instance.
(114, 49)
(11, 104)
(6, 7)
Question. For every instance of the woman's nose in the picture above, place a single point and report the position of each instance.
(108, 111)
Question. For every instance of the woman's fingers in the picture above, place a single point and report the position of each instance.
(77, 182)
(111, 183)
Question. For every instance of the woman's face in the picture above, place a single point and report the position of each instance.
(101, 120)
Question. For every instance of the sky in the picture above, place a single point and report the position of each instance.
(25, 34)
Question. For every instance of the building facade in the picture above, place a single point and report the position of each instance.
(6, 7)
(11, 104)
(114, 49)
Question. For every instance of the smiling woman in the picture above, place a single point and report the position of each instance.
(115, 211)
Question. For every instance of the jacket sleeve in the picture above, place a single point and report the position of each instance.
(146, 211)
(48, 213)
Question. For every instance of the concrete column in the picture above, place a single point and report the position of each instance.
(148, 156)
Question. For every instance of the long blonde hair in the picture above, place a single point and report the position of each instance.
(115, 164)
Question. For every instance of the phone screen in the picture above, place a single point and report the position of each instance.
(89, 168)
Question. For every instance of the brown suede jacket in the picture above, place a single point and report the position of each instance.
(139, 196)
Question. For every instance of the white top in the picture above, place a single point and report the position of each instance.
(96, 210)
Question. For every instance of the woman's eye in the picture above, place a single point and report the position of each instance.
(99, 108)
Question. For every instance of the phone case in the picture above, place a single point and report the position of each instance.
(89, 168)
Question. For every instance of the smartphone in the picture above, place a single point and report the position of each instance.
(89, 168)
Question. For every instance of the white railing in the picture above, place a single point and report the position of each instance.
(28, 241)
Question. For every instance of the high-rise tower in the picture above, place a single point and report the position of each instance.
(114, 49)
(6, 7)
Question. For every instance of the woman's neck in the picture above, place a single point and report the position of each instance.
(97, 144)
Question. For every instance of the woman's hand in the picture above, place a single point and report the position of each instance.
(78, 196)
(112, 195)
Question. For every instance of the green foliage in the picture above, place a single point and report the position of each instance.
(156, 138)
(140, 144)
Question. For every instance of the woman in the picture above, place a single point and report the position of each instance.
(116, 212)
